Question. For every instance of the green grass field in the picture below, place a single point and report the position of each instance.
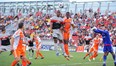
(52, 60)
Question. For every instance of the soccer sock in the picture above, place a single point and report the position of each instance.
(32, 52)
(40, 54)
(29, 51)
(62, 48)
(114, 59)
(66, 49)
(56, 47)
(28, 61)
(91, 57)
(24, 62)
(14, 63)
(104, 59)
(95, 55)
(37, 54)
(86, 54)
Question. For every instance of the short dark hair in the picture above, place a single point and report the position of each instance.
(20, 25)
(3, 29)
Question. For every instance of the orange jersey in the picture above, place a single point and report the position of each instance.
(37, 41)
(67, 24)
(96, 43)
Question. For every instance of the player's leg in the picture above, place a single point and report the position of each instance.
(88, 53)
(95, 55)
(106, 52)
(16, 54)
(25, 61)
(38, 53)
(60, 37)
(105, 58)
(66, 43)
(113, 55)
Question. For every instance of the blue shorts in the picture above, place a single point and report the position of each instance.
(108, 49)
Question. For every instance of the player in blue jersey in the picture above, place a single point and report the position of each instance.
(107, 43)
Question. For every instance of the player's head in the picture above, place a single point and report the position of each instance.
(58, 13)
(68, 14)
(21, 26)
(103, 27)
(3, 30)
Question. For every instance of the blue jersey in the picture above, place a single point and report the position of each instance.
(105, 36)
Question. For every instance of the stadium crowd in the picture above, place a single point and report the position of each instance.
(41, 23)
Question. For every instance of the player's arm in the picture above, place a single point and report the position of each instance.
(12, 42)
(72, 24)
(99, 31)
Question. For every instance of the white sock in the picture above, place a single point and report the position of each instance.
(62, 47)
(56, 47)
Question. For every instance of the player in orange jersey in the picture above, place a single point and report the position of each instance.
(37, 41)
(94, 48)
(17, 41)
(66, 32)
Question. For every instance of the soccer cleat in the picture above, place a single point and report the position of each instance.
(18, 64)
(84, 58)
(67, 58)
(42, 57)
(114, 63)
(29, 64)
(104, 64)
(36, 58)
(57, 54)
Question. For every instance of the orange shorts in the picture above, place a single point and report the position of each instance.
(18, 53)
(66, 36)
(93, 49)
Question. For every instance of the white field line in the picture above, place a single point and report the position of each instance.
(75, 64)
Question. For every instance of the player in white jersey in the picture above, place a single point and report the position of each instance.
(4, 41)
(56, 26)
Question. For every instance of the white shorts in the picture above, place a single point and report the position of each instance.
(8, 48)
(57, 33)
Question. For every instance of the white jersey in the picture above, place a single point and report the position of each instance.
(18, 39)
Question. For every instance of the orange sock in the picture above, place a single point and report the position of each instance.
(37, 54)
(66, 49)
(95, 54)
(14, 63)
(86, 54)
(28, 61)
(91, 57)
(40, 54)
(24, 63)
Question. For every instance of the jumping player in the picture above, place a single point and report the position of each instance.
(56, 27)
(68, 22)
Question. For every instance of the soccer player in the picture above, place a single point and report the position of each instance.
(4, 41)
(57, 32)
(17, 41)
(94, 48)
(68, 22)
(31, 47)
(87, 42)
(37, 41)
(107, 43)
